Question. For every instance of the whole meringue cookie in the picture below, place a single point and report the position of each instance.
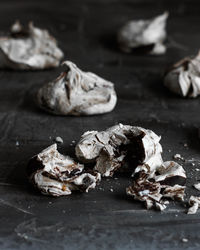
(29, 48)
(184, 77)
(144, 33)
(76, 92)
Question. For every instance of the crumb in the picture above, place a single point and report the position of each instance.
(178, 157)
(17, 144)
(72, 143)
(58, 139)
(111, 190)
(197, 169)
(184, 240)
(185, 145)
(169, 150)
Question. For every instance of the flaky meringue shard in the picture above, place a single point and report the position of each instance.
(184, 77)
(55, 174)
(144, 33)
(29, 48)
(76, 92)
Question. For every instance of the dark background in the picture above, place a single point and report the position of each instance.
(101, 219)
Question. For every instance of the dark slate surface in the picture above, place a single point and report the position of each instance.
(100, 219)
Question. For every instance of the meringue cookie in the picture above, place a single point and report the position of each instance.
(144, 33)
(184, 77)
(76, 92)
(29, 48)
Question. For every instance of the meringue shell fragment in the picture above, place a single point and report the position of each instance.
(55, 174)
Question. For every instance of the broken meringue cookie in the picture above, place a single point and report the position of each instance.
(144, 33)
(167, 182)
(184, 77)
(76, 92)
(29, 48)
(55, 174)
(110, 149)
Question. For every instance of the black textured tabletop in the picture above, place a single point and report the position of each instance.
(104, 218)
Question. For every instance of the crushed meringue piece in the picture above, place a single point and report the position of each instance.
(29, 48)
(194, 203)
(76, 92)
(111, 148)
(167, 182)
(144, 33)
(55, 174)
(184, 77)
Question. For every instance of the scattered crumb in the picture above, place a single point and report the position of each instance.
(197, 169)
(185, 145)
(111, 190)
(184, 240)
(72, 143)
(178, 157)
(58, 139)
(169, 150)
(17, 144)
